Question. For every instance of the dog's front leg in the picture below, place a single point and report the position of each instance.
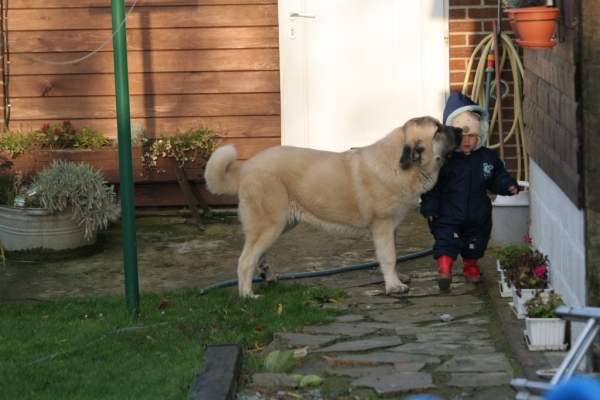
(246, 266)
(383, 237)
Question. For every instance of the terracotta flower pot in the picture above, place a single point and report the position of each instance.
(535, 26)
(511, 19)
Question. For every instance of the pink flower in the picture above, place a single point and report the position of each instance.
(541, 270)
(527, 239)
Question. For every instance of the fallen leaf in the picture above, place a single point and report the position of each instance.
(280, 309)
(163, 304)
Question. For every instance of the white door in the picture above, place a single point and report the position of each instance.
(359, 68)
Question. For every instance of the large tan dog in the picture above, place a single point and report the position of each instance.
(372, 188)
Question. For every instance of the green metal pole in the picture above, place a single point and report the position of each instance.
(132, 294)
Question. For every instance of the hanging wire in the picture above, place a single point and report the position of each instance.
(36, 59)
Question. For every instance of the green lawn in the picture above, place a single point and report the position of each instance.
(92, 348)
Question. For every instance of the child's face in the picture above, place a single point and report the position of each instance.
(469, 141)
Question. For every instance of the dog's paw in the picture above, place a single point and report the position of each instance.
(250, 295)
(268, 275)
(404, 278)
(396, 289)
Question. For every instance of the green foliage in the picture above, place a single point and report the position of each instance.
(522, 3)
(93, 348)
(57, 136)
(139, 136)
(521, 266)
(88, 138)
(182, 146)
(16, 143)
(543, 305)
(78, 187)
(9, 187)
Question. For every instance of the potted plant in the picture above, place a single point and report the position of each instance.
(544, 330)
(525, 271)
(55, 213)
(532, 21)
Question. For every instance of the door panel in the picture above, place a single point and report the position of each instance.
(359, 69)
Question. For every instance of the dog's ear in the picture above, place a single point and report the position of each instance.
(406, 158)
(411, 154)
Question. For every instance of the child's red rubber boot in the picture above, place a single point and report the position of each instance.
(471, 271)
(445, 278)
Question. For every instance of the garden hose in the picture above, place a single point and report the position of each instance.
(478, 94)
(320, 273)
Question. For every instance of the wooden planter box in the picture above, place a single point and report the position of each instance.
(155, 188)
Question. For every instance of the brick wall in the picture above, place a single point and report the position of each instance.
(470, 23)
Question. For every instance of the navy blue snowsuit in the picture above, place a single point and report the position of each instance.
(459, 200)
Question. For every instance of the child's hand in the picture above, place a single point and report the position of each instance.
(513, 189)
(430, 218)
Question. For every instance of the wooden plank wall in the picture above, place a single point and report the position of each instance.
(215, 61)
(551, 108)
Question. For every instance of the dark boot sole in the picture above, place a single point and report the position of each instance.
(444, 282)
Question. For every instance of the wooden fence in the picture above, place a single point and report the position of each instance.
(214, 61)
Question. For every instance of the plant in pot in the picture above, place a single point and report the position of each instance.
(532, 21)
(174, 151)
(55, 213)
(525, 271)
(544, 330)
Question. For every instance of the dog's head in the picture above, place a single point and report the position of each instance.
(428, 143)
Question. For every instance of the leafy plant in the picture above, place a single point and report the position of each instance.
(139, 136)
(543, 305)
(182, 146)
(88, 138)
(57, 136)
(523, 3)
(524, 266)
(78, 187)
(16, 143)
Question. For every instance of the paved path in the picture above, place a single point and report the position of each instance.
(452, 345)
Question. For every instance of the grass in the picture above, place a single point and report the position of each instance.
(93, 348)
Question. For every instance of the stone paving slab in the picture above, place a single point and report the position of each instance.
(379, 299)
(371, 306)
(274, 380)
(422, 314)
(387, 385)
(475, 321)
(303, 340)
(466, 330)
(383, 357)
(441, 349)
(363, 371)
(350, 318)
(444, 301)
(496, 362)
(399, 328)
(486, 379)
(452, 337)
(344, 329)
(362, 345)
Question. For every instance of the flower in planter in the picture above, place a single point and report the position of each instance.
(524, 266)
(543, 305)
(181, 146)
(66, 135)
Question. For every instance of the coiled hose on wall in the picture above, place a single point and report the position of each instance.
(478, 94)
(320, 273)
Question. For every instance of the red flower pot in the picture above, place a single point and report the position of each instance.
(535, 26)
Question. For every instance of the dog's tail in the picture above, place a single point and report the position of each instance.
(220, 177)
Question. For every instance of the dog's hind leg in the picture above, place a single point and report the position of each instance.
(265, 271)
(383, 232)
